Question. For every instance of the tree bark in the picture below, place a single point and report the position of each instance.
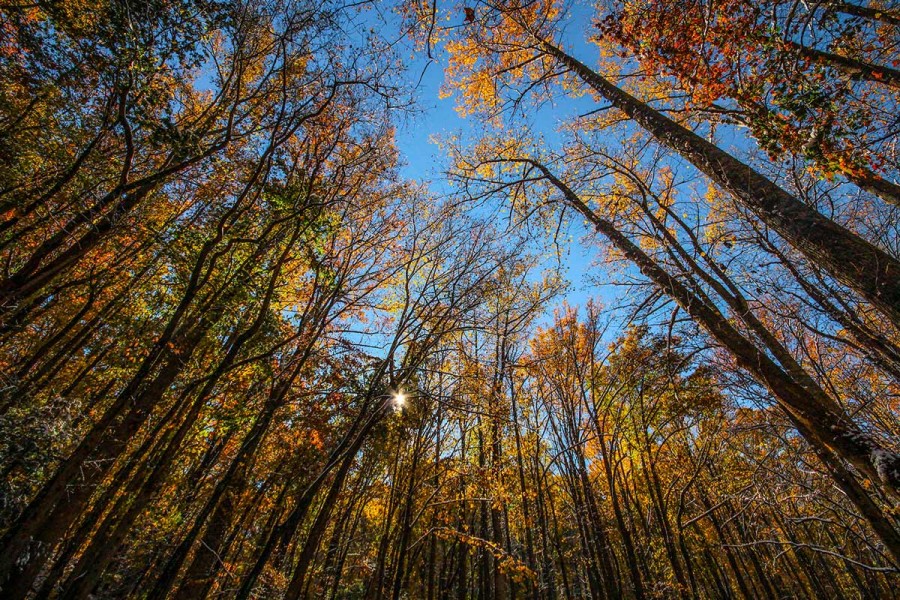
(863, 267)
(830, 435)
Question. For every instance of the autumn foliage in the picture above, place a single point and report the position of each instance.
(242, 356)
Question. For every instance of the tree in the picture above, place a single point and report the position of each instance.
(241, 355)
(822, 104)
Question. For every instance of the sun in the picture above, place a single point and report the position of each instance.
(399, 400)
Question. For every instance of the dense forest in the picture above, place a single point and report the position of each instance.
(245, 354)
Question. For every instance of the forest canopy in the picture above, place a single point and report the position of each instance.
(252, 345)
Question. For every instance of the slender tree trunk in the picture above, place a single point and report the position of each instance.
(624, 533)
(737, 570)
(406, 519)
(523, 491)
(500, 584)
(659, 508)
(208, 558)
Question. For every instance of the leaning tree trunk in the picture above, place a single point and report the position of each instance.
(830, 435)
(874, 14)
(860, 265)
(851, 66)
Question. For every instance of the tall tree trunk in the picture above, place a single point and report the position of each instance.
(871, 272)
(830, 435)
(523, 492)
(406, 518)
(737, 570)
(850, 66)
(873, 14)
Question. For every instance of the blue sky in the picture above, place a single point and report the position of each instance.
(437, 117)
